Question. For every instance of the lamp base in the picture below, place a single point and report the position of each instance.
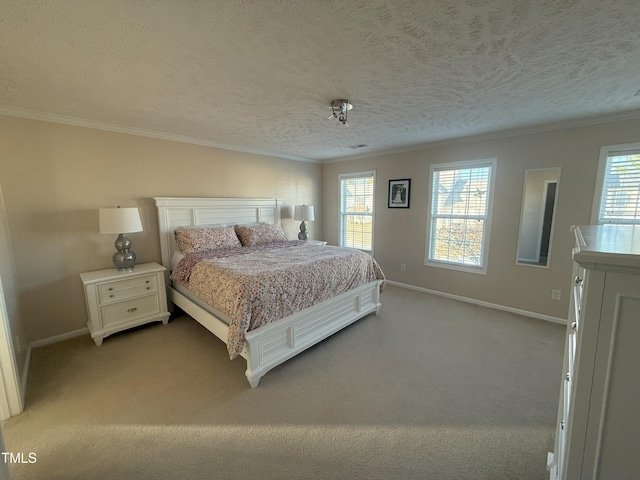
(123, 259)
(304, 234)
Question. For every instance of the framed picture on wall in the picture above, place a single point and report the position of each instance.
(399, 193)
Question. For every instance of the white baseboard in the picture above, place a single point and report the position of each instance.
(85, 331)
(526, 313)
(41, 343)
(59, 338)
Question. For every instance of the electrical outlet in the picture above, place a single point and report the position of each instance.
(403, 267)
(556, 294)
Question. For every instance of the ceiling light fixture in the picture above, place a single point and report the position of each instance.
(339, 109)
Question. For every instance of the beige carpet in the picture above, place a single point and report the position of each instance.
(429, 389)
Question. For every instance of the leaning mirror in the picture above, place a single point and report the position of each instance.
(536, 218)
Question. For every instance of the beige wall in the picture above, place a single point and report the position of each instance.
(55, 177)
(400, 233)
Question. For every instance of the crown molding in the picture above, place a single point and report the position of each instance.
(548, 127)
(514, 132)
(81, 122)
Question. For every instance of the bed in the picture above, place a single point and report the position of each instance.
(270, 343)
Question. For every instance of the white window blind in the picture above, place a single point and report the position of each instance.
(356, 210)
(620, 200)
(459, 215)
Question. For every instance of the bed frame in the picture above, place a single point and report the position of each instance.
(275, 343)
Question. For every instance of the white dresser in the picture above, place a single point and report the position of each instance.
(117, 300)
(598, 431)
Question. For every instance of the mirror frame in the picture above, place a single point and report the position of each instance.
(533, 263)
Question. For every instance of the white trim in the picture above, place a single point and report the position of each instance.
(11, 401)
(514, 132)
(534, 262)
(482, 269)
(41, 343)
(362, 174)
(495, 306)
(59, 338)
(459, 140)
(605, 151)
(140, 132)
(597, 193)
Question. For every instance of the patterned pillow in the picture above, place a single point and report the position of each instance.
(193, 240)
(250, 235)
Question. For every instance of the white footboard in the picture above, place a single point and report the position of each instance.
(276, 342)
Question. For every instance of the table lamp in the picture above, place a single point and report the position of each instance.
(121, 221)
(304, 213)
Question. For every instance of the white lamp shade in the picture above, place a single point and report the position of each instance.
(304, 213)
(120, 220)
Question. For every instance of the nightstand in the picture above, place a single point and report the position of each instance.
(118, 300)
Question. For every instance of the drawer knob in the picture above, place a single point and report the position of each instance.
(148, 288)
(111, 296)
(574, 325)
(110, 288)
(147, 281)
(132, 309)
(578, 279)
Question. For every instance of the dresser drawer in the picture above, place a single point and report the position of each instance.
(123, 289)
(129, 310)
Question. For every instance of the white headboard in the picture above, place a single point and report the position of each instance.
(176, 212)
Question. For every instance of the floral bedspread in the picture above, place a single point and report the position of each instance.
(257, 285)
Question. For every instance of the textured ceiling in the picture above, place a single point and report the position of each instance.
(258, 75)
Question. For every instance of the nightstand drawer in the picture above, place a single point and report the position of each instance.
(130, 309)
(118, 300)
(123, 289)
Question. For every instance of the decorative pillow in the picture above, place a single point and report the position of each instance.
(200, 239)
(251, 235)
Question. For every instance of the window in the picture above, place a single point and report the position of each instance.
(460, 215)
(617, 197)
(356, 210)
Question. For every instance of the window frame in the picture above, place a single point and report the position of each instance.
(351, 175)
(598, 193)
(486, 240)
